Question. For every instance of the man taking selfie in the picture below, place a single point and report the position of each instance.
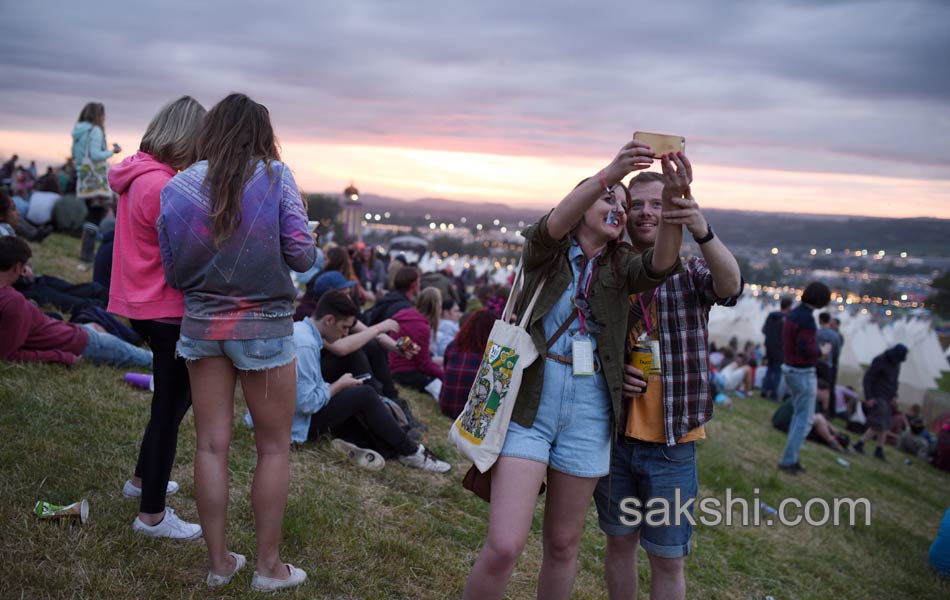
(654, 454)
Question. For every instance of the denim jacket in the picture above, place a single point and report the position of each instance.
(544, 258)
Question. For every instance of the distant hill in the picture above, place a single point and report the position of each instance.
(746, 228)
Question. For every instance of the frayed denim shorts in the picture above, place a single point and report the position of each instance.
(571, 430)
(246, 355)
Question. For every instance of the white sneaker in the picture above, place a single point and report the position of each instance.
(130, 490)
(361, 457)
(425, 460)
(260, 583)
(170, 527)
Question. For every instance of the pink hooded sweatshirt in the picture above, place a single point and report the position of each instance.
(138, 289)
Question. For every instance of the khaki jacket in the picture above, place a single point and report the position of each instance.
(544, 257)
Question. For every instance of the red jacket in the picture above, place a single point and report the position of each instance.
(30, 336)
(414, 324)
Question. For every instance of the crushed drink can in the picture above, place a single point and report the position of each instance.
(76, 510)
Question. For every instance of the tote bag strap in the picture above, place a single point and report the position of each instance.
(513, 294)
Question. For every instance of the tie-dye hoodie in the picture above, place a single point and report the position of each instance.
(243, 289)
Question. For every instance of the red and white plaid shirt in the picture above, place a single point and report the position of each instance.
(682, 312)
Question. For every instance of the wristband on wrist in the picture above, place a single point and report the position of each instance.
(706, 238)
(603, 180)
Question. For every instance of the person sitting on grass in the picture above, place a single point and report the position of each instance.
(448, 326)
(31, 336)
(822, 431)
(419, 372)
(323, 407)
(463, 356)
(370, 355)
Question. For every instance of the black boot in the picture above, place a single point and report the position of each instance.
(879, 453)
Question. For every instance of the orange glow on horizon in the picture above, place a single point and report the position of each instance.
(540, 181)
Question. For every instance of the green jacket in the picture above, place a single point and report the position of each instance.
(544, 256)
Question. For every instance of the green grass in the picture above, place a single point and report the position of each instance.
(943, 384)
(398, 533)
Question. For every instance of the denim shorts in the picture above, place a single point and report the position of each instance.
(646, 470)
(246, 355)
(571, 431)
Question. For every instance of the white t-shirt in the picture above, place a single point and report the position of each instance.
(41, 207)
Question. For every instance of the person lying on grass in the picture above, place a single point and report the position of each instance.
(323, 407)
(31, 336)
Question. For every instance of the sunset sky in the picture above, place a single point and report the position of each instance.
(794, 106)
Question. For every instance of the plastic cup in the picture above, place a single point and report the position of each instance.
(76, 510)
(139, 380)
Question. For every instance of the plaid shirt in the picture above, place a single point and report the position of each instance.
(460, 369)
(683, 307)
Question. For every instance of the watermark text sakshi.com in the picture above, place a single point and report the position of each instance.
(713, 511)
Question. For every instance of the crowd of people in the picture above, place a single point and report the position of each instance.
(200, 230)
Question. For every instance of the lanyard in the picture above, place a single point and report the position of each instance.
(585, 288)
(646, 313)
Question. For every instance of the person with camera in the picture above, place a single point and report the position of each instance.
(654, 455)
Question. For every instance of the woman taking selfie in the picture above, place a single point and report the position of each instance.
(563, 417)
(230, 227)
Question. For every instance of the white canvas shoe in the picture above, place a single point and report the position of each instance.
(130, 490)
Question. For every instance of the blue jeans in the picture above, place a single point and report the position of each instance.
(245, 355)
(803, 385)
(645, 470)
(772, 380)
(107, 349)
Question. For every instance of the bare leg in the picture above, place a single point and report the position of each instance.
(514, 495)
(565, 511)
(820, 426)
(667, 578)
(270, 397)
(212, 393)
(620, 566)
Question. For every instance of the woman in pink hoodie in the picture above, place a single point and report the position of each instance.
(139, 291)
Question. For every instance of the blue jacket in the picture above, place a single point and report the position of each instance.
(85, 132)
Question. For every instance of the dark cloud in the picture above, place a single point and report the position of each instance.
(789, 85)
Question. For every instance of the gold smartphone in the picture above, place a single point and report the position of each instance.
(661, 144)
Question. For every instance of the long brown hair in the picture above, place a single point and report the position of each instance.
(95, 113)
(236, 135)
(429, 303)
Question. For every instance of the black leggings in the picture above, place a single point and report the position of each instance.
(363, 403)
(371, 358)
(170, 402)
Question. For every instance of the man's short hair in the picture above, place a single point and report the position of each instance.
(816, 294)
(336, 303)
(405, 277)
(824, 318)
(13, 250)
(645, 177)
(785, 303)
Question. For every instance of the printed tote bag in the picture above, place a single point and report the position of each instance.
(92, 180)
(479, 431)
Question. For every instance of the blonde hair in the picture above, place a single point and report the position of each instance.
(429, 303)
(172, 135)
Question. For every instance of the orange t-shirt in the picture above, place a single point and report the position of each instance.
(645, 412)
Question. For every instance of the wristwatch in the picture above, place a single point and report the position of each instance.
(706, 238)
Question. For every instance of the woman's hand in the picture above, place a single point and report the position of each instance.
(634, 156)
(677, 175)
(116, 148)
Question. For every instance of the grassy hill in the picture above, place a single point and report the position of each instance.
(398, 533)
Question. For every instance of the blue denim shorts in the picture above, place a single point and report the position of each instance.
(646, 470)
(571, 431)
(247, 355)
